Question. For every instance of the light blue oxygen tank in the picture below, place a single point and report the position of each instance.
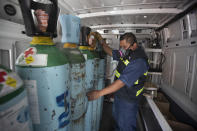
(70, 39)
(45, 71)
(71, 28)
(89, 82)
(98, 77)
(14, 110)
(101, 85)
(95, 102)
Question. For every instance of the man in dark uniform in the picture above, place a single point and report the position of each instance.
(129, 81)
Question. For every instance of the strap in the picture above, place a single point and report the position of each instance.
(126, 62)
(117, 74)
(139, 91)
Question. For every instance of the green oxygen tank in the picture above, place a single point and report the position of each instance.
(89, 83)
(94, 38)
(70, 39)
(45, 71)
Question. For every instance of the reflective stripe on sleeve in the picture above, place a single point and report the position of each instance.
(146, 73)
(136, 82)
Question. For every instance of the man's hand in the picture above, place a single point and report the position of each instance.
(93, 95)
(102, 42)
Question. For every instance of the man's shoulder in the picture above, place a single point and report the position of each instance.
(138, 63)
(138, 60)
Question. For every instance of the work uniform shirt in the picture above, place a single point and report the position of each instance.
(129, 76)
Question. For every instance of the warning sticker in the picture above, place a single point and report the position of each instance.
(9, 82)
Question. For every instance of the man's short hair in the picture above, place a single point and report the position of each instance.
(129, 37)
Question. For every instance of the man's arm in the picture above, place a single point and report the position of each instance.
(116, 85)
(106, 48)
(98, 36)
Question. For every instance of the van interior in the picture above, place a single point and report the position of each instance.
(166, 29)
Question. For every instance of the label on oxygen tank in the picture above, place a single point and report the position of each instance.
(31, 58)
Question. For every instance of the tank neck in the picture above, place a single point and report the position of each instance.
(41, 40)
(70, 45)
(91, 48)
(83, 47)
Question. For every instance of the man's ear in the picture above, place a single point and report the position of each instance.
(134, 46)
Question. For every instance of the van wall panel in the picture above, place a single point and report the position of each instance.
(180, 64)
(175, 32)
(193, 89)
(180, 68)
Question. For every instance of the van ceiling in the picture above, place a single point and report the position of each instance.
(125, 13)
(103, 14)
